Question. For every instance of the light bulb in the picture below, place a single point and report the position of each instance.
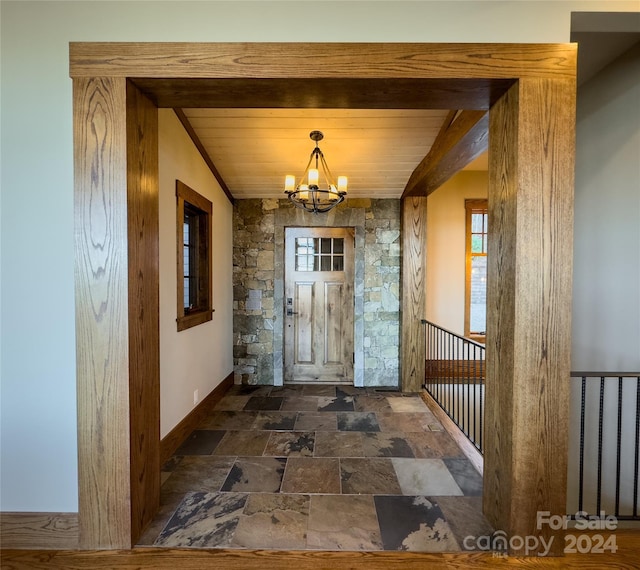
(289, 183)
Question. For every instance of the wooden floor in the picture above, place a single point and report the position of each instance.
(627, 557)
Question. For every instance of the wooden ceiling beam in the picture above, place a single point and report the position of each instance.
(312, 60)
(462, 139)
(324, 93)
(203, 152)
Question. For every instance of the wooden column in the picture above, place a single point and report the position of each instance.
(414, 264)
(116, 310)
(144, 308)
(531, 161)
(102, 324)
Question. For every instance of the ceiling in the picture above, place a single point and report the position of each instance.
(602, 37)
(376, 148)
(597, 50)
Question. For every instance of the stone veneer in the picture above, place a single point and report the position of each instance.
(258, 286)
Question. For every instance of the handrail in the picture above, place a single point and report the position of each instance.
(464, 338)
(598, 375)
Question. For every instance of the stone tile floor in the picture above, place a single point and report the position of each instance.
(319, 468)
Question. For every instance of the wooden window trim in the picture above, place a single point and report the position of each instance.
(186, 194)
(470, 205)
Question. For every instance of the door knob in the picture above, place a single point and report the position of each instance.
(290, 313)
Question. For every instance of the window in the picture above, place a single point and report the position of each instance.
(475, 314)
(194, 257)
(319, 254)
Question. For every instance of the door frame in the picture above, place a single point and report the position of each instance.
(344, 217)
(530, 89)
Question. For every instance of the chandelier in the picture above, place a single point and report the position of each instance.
(308, 194)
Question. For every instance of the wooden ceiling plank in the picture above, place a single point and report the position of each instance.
(271, 113)
(302, 134)
(464, 140)
(252, 146)
(279, 161)
(326, 123)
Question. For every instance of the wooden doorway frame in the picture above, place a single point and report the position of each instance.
(530, 89)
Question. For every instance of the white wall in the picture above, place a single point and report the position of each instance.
(201, 357)
(606, 292)
(446, 247)
(606, 276)
(39, 469)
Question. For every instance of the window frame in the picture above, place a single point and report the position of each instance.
(203, 208)
(471, 206)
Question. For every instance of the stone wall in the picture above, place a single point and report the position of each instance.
(253, 277)
(382, 293)
(258, 267)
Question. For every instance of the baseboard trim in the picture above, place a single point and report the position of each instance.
(473, 455)
(170, 442)
(42, 531)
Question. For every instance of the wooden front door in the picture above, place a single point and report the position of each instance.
(319, 302)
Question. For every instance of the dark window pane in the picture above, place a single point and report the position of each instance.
(325, 245)
(338, 245)
(325, 263)
(338, 263)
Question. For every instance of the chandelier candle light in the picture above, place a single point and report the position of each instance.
(308, 194)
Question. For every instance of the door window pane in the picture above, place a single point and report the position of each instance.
(319, 254)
